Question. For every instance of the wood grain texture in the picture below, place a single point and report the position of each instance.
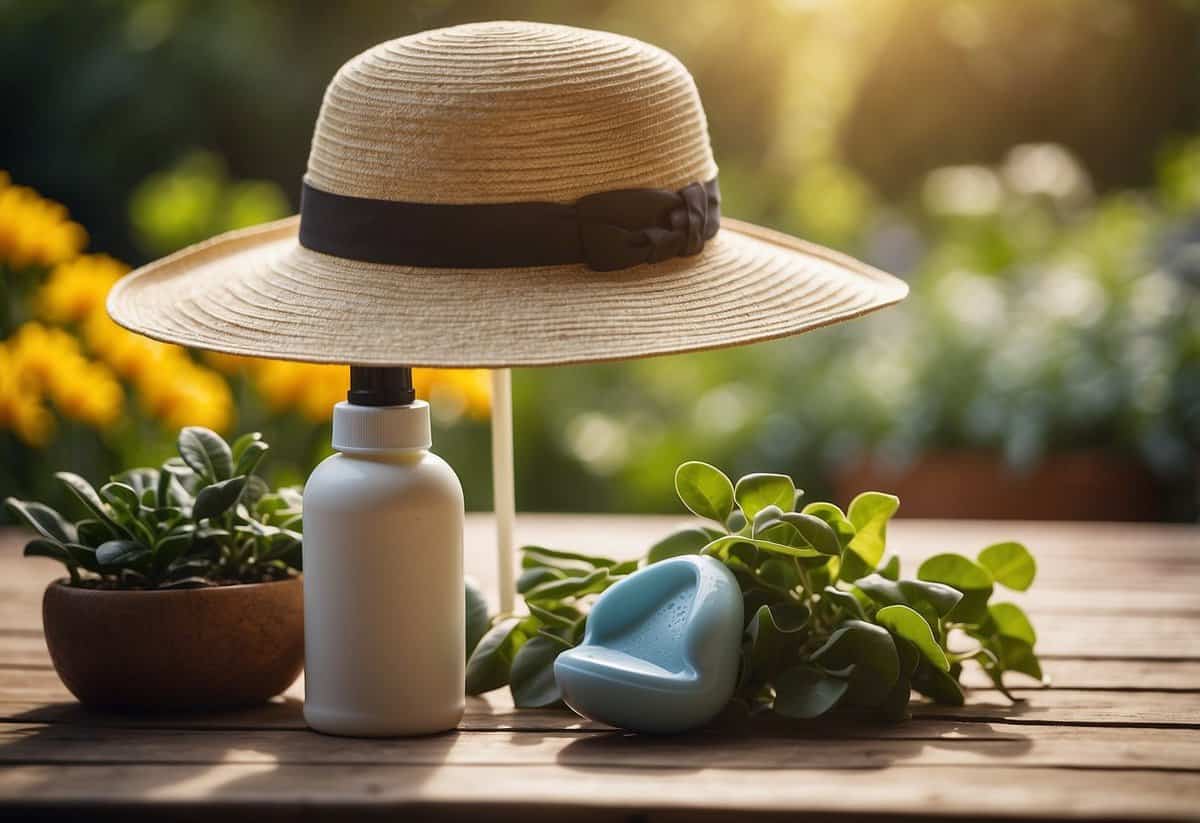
(559, 792)
(1118, 613)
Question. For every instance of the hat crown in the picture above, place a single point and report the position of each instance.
(509, 112)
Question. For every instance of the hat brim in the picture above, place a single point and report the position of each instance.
(257, 292)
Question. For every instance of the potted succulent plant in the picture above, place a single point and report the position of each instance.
(183, 586)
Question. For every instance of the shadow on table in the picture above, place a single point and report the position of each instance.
(198, 757)
(768, 741)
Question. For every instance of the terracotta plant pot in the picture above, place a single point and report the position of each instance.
(215, 647)
(1082, 485)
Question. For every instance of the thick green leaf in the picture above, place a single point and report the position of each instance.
(141, 479)
(723, 543)
(837, 521)
(215, 500)
(206, 453)
(41, 547)
(779, 572)
(250, 457)
(540, 556)
(477, 618)
(937, 685)
(847, 601)
(756, 491)
(869, 513)
(550, 618)
(85, 493)
(552, 590)
(239, 446)
(489, 664)
(906, 623)
(816, 532)
(871, 651)
(1017, 656)
(117, 553)
(42, 519)
(83, 556)
(1010, 563)
(532, 674)
(895, 706)
(94, 532)
(122, 497)
(921, 595)
(1011, 621)
(805, 692)
(536, 576)
(973, 580)
(705, 490)
(684, 541)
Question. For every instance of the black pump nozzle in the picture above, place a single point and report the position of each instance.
(381, 386)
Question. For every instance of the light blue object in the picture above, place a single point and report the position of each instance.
(661, 650)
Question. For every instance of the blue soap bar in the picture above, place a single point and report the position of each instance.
(661, 650)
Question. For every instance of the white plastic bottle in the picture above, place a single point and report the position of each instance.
(383, 579)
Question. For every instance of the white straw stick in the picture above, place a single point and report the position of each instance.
(503, 491)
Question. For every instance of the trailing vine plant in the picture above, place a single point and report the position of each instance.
(830, 624)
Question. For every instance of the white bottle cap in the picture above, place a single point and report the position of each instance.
(381, 429)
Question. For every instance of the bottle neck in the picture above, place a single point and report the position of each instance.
(382, 431)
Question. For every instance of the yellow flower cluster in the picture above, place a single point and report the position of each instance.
(171, 386)
(39, 363)
(35, 231)
(312, 389)
(75, 289)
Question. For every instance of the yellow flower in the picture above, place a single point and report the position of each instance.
(229, 363)
(90, 393)
(35, 230)
(21, 408)
(311, 389)
(49, 361)
(187, 394)
(456, 391)
(77, 288)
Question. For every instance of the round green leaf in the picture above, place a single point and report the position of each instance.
(489, 664)
(871, 651)
(755, 492)
(705, 490)
(532, 676)
(869, 513)
(685, 541)
(478, 620)
(833, 516)
(973, 580)
(805, 692)
(816, 532)
(1011, 621)
(907, 623)
(1010, 563)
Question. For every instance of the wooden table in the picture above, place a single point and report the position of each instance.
(1117, 609)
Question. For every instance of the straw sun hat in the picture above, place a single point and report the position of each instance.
(501, 194)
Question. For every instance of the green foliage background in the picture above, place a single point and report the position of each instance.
(1054, 263)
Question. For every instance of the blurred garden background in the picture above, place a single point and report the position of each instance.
(1031, 167)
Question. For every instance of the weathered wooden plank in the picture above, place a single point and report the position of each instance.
(36, 695)
(929, 743)
(550, 792)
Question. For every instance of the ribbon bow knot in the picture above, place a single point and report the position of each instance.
(620, 229)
